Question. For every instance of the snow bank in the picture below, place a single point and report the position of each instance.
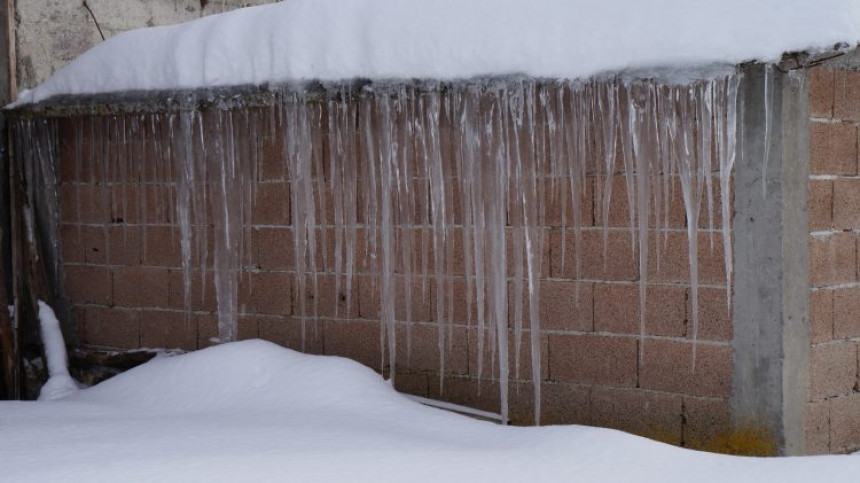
(450, 39)
(252, 411)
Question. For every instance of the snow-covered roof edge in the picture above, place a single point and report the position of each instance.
(337, 40)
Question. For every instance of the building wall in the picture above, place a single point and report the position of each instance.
(833, 416)
(122, 264)
(51, 33)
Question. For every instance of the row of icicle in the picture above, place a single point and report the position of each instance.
(489, 154)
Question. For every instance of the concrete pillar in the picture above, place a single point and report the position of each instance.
(771, 296)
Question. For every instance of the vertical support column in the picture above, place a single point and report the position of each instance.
(771, 301)
(9, 358)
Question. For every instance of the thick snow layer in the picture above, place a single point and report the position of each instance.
(450, 39)
(252, 411)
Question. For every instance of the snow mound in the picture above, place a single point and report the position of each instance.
(334, 40)
(252, 411)
(249, 374)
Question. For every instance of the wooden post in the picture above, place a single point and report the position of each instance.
(7, 340)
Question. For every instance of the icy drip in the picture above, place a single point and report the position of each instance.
(768, 123)
(432, 167)
(186, 186)
(640, 105)
(227, 213)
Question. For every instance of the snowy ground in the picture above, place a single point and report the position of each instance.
(252, 411)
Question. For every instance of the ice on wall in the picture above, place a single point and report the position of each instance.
(490, 158)
(299, 40)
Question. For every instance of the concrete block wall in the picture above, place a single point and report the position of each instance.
(833, 421)
(122, 264)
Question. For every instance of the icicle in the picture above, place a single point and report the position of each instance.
(186, 187)
(225, 206)
(504, 149)
(768, 124)
(727, 162)
(639, 103)
(691, 186)
(609, 118)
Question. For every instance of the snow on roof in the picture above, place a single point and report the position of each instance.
(299, 40)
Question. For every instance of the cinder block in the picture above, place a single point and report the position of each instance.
(844, 423)
(162, 246)
(565, 404)
(125, 245)
(490, 361)
(142, 203)
(833, 259)
(833, 148)
(356, 340)
(822, 92)
(272, 162)
(608, 361)
(483, 395)
(113, 328)
(674, 260)
(271, 205)
(95, 240)
(846, 105)
(85, 204)
(560, 202)
(707, 213)
(821, 314)
(141, 287)
(616, 309)
(418, 348)
(563, 305)
(668, 366)
(704, 421)
(88, 284)
(207, 329)
(818, 427)
(288, 332)
(618, 264)
(72, 243)
(715, 320)
(272, 248)
(265, 293)
(542, 242)
(846, 313)
(655, 416)
(202, 296)
(409, 383)
(168, 329)
(365, 299)
(832, 370)
(846, 199)
(820, 204)
(202, 246)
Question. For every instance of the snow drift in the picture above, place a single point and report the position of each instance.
(252, 411)
(333, 40)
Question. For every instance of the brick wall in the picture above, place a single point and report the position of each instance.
(833, 415)
(122, 263)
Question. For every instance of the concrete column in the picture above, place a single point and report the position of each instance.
(771, 296)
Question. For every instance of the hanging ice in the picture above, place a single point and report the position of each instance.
(461, 175)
